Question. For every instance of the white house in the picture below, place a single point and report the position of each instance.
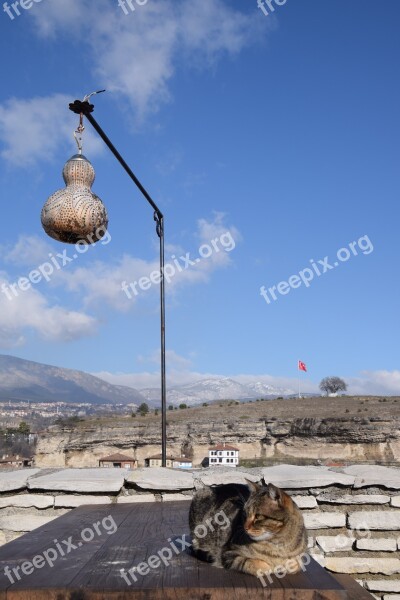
(222, 454)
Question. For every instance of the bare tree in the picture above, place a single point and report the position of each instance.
(332, 385)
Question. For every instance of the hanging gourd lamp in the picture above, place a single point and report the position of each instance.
(75, 214)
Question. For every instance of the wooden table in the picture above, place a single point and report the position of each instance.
(91, 566)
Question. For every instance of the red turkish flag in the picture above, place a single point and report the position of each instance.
(302, 366)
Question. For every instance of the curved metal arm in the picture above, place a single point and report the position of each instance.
(85, 108)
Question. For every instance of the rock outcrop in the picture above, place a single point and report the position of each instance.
(354, 439)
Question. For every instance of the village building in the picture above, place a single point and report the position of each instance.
(18, 462)
(222, 454)
(172, 462)
(118, 461)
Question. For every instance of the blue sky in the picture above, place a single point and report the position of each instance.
(279, 132)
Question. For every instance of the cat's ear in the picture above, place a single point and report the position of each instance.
(275, 493)
(252, 485)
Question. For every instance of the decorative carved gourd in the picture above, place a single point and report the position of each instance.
(75, 214)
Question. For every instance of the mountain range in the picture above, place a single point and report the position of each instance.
(212, 389)
(25, 380)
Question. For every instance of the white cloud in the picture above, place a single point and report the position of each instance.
(102, 283)
(30, 250)
(30, 311)
(375, 382)
(136, 55)
(179, 373)
(173, 359)
(38, 129)
(151, 379)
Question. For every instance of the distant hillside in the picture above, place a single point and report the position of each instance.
(212, 389)
(26, 380)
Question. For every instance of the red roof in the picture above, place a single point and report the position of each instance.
(117, 458)
(223, 447)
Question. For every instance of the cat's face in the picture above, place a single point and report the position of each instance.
(266, 512)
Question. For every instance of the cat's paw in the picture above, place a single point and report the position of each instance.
(254, 566)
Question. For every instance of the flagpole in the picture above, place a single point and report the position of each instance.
(298, 375)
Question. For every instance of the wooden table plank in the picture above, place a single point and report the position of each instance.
(354, 590)
(92, 571)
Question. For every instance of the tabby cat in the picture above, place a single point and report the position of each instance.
(263, 527)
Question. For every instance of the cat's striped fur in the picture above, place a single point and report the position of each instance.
(266, 528)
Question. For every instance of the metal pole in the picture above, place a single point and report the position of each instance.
(86, 109)
(163, 367)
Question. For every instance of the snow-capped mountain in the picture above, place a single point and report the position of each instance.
(209, 390)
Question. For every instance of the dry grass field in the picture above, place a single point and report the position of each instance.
(343, 407)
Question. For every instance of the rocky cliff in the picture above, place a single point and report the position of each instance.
(346, 439)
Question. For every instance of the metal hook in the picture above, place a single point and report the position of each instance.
(81, 128)
(78, 139)
(88, 96)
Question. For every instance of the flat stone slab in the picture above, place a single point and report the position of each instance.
(369, 475)
(161, 478)
(335, 543)
(27, 501)
(136, 498)
(80, 480)
(175, 497)
(378, 519)
(354, 499)
(221, 475)
(15, 480)
(305, 501)
(383, 585)
(318, 556)
(71, 501)
(297, 477)
(395, 501)
(347, 564)
(24, 522)
(377, 544)
(323, 520)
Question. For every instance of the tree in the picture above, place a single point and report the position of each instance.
(24, 428)
(332, 385)
(143, 409)
(183, 405)
(170, 407)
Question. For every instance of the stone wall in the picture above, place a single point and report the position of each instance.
(352, 514)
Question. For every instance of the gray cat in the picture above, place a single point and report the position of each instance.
(264, 529)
